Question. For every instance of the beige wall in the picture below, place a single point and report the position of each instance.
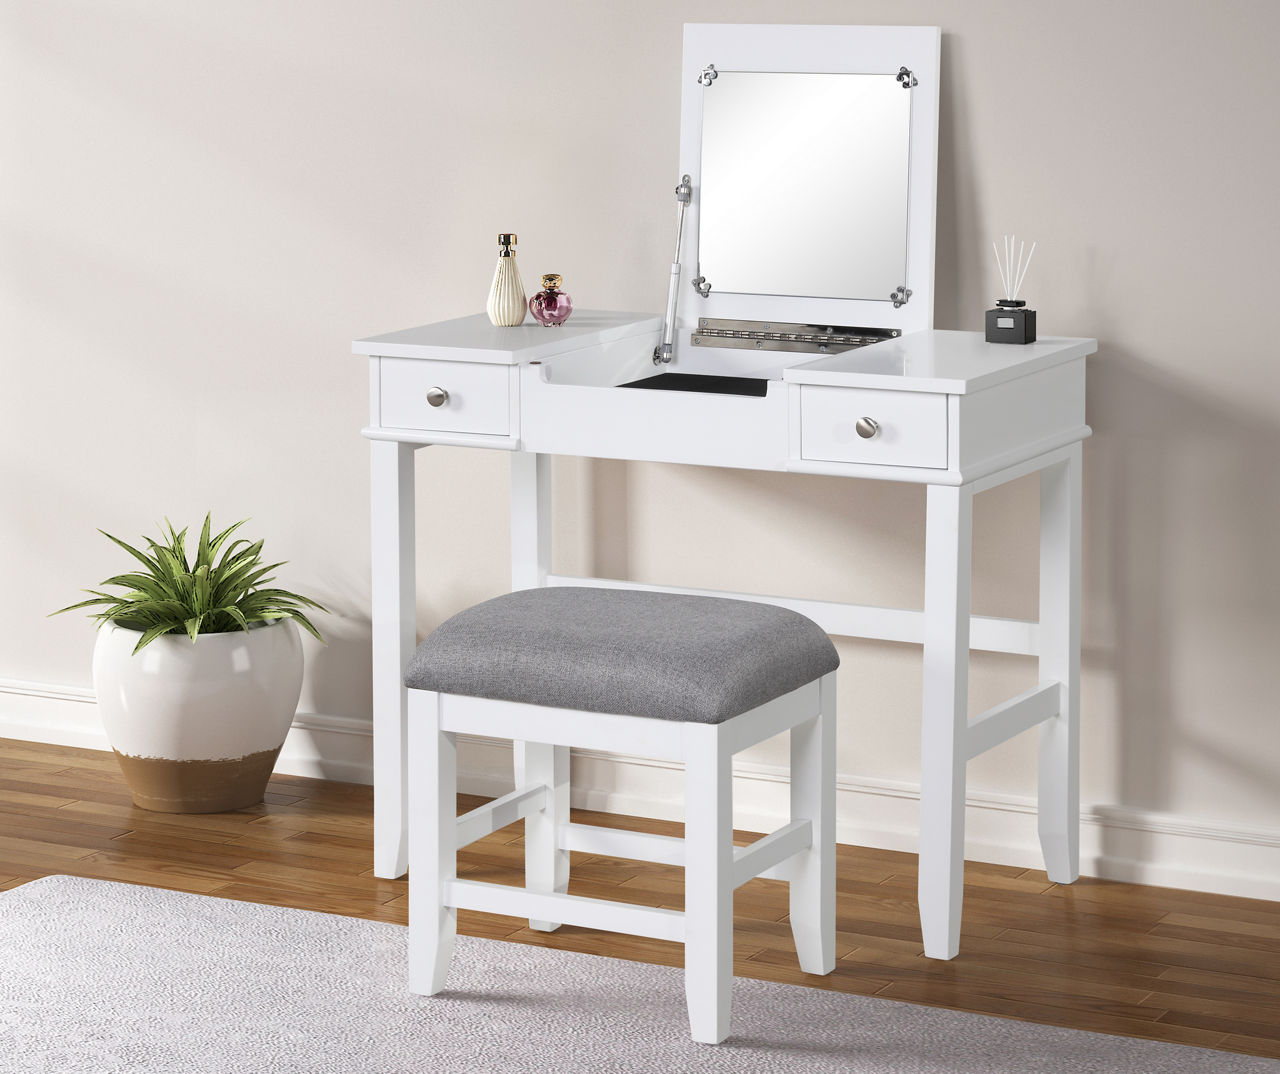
(203, 203)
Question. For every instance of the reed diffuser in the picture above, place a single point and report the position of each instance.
(1011, 321)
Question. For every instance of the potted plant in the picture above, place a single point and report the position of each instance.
(197, 668)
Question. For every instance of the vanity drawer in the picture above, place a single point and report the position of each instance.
(910, 428)
(478, 396)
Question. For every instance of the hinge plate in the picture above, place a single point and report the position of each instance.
(785, 336)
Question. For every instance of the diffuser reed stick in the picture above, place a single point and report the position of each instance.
(1012, 274)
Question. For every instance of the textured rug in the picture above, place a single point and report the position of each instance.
(118, 979)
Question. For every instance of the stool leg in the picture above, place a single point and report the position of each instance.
(813, 798)
(433, 843)
(546, 866)
(708, 882)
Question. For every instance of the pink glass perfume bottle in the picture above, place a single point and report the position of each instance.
(551, 306)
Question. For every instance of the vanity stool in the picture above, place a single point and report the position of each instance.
(663, 675)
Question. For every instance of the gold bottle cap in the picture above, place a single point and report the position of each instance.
(550, 281)
(506, 240)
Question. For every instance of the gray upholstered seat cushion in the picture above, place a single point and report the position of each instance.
(666, 655)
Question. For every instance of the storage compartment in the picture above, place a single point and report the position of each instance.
(864, 425)
(704, 383)
(476, 397)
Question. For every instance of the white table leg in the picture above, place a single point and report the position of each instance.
(708, 883)
(1059, 776)
(546, 866)
(944, 717)
(530, 519)
(813, 797)
(394, 638)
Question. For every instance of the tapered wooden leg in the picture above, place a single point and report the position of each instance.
(546, 865)
(394, 638)
(1059, 775)
(813, 798)
(433, 839)
(944, 719)
(708, 883)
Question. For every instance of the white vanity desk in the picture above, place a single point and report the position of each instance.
(946, 409)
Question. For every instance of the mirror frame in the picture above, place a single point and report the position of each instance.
(814, 49)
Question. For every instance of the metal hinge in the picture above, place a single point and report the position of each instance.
(779, 336)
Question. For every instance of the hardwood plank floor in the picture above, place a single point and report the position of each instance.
(1168, 965)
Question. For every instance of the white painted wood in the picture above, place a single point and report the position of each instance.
(1007, 417)
(433, 837)
(1060, 585)
(1031, 465)
(620, 843)
(420, 437)
(708, 882)
(579, 910)
(394, 629)
(829, 50)
(853, 620)
(479, 396)
(1027, 459)
(546, 864)
(771, 718)
(568, 402)
(608, 422)
(946, 362)
(375, 392)
(770, 850)
(475, 339)
(813, 798)
(530, 519)
(943, 725)
(488, 818)
(1001, 722)
(912, 426)
(564, 727)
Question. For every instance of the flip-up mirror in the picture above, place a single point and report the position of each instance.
(812, 157)
(804, 184)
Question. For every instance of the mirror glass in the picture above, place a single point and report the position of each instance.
(804, 184)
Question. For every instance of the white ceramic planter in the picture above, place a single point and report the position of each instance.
(197, 725)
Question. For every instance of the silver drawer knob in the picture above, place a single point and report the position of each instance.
(867, 427)
(437, 396)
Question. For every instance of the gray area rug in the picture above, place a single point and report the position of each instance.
(111, 978)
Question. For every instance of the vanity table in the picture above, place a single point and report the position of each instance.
(755, 376)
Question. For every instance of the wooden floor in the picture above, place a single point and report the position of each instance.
(1115, 958)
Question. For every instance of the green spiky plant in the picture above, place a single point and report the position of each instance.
(210, 595)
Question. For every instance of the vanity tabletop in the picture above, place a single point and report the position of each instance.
(475, 339)
(951, 363)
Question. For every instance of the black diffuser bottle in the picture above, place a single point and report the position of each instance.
(1011, 321)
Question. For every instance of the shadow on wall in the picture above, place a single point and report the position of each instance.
(1182, 518)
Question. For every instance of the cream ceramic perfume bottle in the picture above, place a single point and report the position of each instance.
(506, 305)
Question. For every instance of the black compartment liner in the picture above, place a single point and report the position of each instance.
(707, 383)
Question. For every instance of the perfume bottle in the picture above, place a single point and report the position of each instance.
(551, 306)
(506, 296)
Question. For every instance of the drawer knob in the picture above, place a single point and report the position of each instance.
(867, 427)
(437, 396)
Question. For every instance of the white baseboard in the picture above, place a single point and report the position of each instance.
(1117, 843)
